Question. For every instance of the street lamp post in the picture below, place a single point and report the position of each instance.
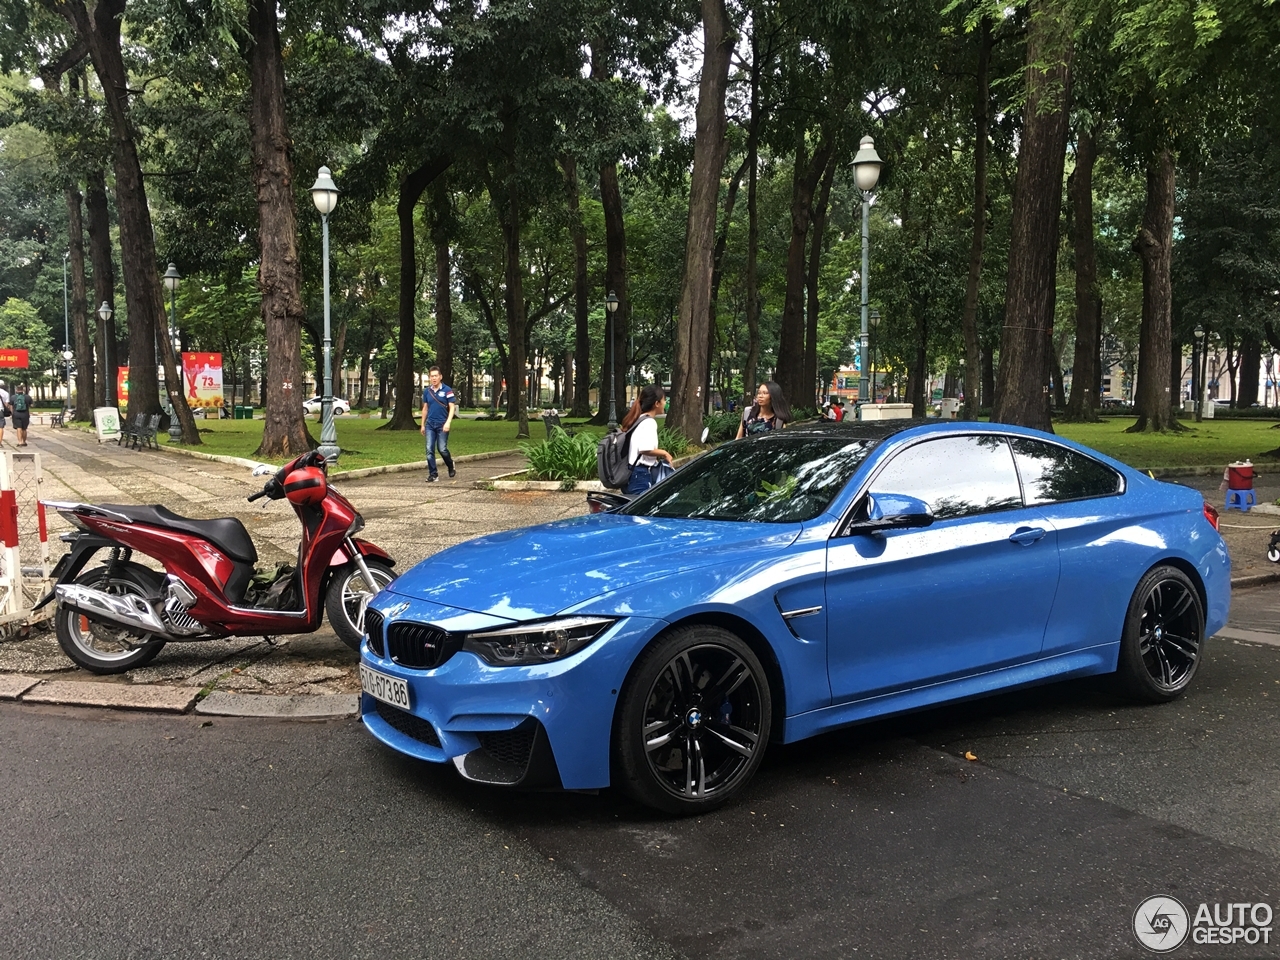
(108, 368)
(611, 304)
(324, 192)
(171, 280)
(873, 320)
(866, 171)
(1197, 378)
(66, 327)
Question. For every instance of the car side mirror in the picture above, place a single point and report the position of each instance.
(262, 469)
(892, 511)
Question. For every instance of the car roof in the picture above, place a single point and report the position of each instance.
(853, 429)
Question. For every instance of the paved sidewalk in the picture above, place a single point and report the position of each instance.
(404, 515)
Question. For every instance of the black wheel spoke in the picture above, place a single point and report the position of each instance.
(1184, 645)
(659, 734)
(742, 742)
(1181, 606)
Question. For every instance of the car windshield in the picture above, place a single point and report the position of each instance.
(770, 480)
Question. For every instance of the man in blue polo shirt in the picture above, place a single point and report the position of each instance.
(439, 404)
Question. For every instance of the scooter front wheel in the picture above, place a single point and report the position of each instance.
(349, 594)
(102, 647)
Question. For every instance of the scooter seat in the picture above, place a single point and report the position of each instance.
(226, 533)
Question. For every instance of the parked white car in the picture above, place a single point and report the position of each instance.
(340, 406)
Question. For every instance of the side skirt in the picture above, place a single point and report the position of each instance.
(1078, 663)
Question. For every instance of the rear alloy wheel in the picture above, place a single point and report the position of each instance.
(1163, 638)
(102, 647)
(693, 721)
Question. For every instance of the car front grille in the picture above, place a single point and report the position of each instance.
(510, 746)
(408, 724)
(419, 645)
(373, 630)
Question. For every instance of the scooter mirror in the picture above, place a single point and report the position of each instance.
(706, 432)
(263, 469)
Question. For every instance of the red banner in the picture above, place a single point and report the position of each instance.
(203, 374)
(18, 359)
(122, 386)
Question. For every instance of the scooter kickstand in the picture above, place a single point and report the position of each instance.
(270, 640)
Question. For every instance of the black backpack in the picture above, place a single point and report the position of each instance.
(611, 458)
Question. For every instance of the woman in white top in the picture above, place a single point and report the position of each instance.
(643, 452)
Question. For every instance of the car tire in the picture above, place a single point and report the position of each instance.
(1163, 639)
(101, 647)
(693, 721)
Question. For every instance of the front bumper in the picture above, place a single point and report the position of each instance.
(514, 726)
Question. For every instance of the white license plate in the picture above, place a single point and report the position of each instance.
(390, 690)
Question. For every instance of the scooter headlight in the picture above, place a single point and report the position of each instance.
(539, 642)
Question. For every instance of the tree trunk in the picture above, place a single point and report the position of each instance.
(1154, 244)
(790, 374)
(444, 295)
(815, 274)
(284, 433)
(101, 30)
(689, 362)
(717, 274)
(613, 377)
(988, 376)
(1250, 364)
(973, 288)
(508, 203)
(79, 312)
(1084, 377)
(411, 189)
(581, 375)
(104, 288)
(753, 229)
(1037, 202)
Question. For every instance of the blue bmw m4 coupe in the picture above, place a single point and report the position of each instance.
(782, 586)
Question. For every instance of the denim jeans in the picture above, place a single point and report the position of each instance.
(437, 439)
(641, 479)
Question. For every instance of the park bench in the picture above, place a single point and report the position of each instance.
(143, 431)
(128, 430)
(58, 419)
(551, 420)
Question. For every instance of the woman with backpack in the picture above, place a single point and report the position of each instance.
(20, 407)
(643, 452)
(770, 411)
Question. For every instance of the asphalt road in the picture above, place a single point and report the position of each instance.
(142, 836)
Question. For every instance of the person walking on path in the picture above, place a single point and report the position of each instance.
(644, 453)
(20, 407)
(439, 404)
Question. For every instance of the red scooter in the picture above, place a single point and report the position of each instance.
(118, 616)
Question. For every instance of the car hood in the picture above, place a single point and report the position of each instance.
(539, 571)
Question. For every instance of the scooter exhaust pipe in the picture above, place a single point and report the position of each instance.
(130, 612)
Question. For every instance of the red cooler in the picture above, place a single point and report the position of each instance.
(1240, 476)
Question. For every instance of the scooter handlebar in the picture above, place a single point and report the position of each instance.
(256, 496)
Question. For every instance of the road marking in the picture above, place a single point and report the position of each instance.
(1253, 636)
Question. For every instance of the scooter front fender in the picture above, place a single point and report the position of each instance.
(344, 556)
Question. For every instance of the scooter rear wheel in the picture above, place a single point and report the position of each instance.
(348, 595)
(101, 647)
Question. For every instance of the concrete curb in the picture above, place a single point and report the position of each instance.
(298, 706)
(141, 696)
(1254, 580)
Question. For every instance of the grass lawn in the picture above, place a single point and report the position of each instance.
(1211, 442)
(362, 443)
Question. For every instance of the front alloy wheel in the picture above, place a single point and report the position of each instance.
(693, 721)
(1163, 638)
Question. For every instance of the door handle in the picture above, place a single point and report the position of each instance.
(1027, 535)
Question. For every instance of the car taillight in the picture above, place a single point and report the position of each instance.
(1211, 514)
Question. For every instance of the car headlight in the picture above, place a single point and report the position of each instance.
(538, 642)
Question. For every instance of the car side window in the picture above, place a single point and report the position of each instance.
(1051, 474)
(955, 476)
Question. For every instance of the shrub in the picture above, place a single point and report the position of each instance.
(563, 457)
(673, 441)
(721, 426)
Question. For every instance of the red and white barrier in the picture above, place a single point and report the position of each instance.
(24, 541)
